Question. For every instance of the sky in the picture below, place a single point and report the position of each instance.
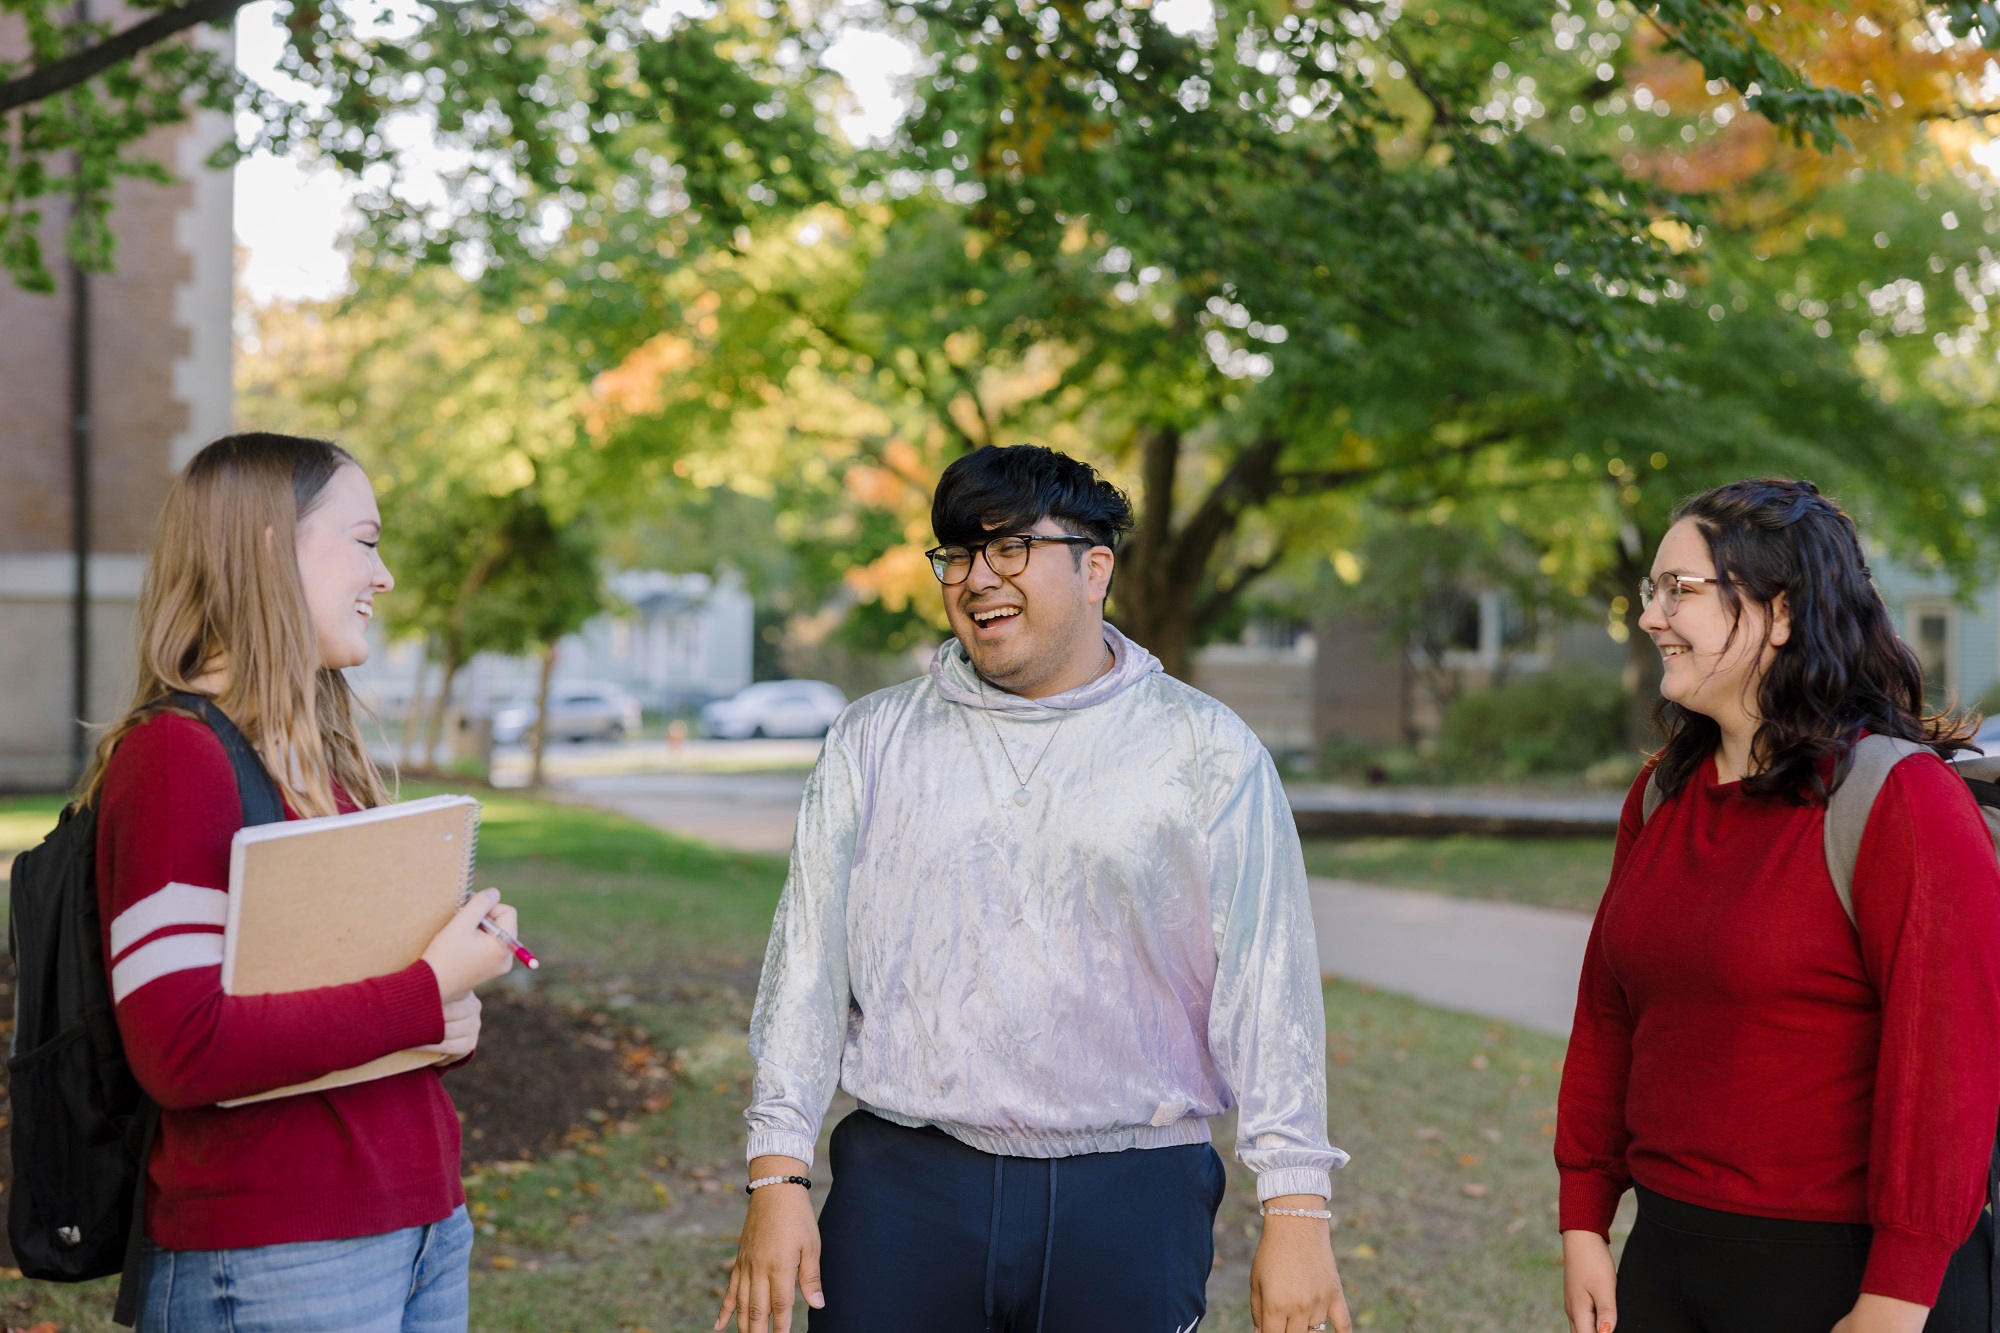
(290, 214)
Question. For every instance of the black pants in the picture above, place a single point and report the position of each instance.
(1696, 1270)
(922, 1234)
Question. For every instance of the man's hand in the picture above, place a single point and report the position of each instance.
(1590, 1283)
(1883, 1314)
(777, 1254)
(1293, 1284)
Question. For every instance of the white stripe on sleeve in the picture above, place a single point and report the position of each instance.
(168, 954)
(175, 905)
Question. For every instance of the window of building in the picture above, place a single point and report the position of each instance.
(1931, 630)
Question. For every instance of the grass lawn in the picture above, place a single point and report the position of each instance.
(1445, 1217)
(1547, 872)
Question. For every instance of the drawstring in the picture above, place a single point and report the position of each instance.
(1048, 1249)
(993, 1239)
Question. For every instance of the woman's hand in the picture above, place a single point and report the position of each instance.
(777, 1253)
(462, 955)
(1590, 1283)
(461, 1030)
(1884, 1314)
(1293, 1283)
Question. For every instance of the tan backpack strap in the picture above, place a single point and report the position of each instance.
(1652, 798)
(1847, 810)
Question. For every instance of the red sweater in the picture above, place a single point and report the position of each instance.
(352, 1161)
(1740, 1046)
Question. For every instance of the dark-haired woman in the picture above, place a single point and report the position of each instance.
(1805, 1105)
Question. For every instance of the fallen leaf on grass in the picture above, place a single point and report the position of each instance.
(503, 1262)
(1473, 1190)
(1490, 1134)
(1468, 1159)
(1477, 1062)
(1429, 1132)
(1362, 1251)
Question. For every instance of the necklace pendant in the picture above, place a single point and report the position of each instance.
(1023, 796)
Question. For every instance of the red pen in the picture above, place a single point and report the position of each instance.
(520, 950)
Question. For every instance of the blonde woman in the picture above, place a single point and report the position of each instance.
(331, 1210)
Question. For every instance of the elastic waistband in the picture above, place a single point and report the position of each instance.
(1057, 1143)
(1714, 1224)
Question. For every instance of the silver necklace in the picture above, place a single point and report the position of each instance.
(1021, 793)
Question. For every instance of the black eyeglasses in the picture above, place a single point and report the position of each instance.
(1671, 588)
(1005, 556)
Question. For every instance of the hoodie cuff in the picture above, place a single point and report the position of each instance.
(778, 1143)
(1294, 1180)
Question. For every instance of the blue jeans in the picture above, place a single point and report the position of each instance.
(408, 1281)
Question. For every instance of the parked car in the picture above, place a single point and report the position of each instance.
(578, 711)
(774, 708)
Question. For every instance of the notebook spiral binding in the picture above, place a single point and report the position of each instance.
(471, 852)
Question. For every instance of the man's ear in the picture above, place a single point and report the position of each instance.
(1781, 621)
(1097, 569)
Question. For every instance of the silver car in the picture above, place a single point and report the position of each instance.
(774, 708)
(578, 711)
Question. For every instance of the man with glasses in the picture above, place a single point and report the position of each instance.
(1046, 914)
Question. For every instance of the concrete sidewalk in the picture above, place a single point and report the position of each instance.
(1500, 960)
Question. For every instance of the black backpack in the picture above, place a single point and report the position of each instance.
(1847, 811)
(82, 1126)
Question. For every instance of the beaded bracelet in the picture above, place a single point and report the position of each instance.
(756, 1185)
(1321, 1213)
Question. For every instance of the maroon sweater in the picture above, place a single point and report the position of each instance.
(352, 1161)
(1740, 1046)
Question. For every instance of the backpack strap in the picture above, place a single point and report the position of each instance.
(1847, 809)
(1653, 798)
(262, 804)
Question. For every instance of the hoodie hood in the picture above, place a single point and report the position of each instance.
(952, 673)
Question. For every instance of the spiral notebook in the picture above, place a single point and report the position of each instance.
(322, 902)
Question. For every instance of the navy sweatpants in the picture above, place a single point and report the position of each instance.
(922, 1233)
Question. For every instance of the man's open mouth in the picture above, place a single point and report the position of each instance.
(995, 615)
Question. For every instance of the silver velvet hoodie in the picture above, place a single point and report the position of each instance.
(1098, 969)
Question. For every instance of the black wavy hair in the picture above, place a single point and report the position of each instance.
(1843, 670)
(1010, 488)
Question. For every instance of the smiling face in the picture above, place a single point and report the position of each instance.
(340, 567)
(1038, 632)
(1712, 659)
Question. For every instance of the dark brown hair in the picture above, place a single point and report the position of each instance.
(1843, 670)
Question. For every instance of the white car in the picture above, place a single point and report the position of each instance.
(578, 711)
(774, 708)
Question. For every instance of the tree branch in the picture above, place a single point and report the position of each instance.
(49, 80)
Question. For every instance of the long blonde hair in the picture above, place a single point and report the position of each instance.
(223, 592)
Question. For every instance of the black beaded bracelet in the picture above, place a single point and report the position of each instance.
(756, 1185)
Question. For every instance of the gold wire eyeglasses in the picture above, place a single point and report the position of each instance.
(1671, 588)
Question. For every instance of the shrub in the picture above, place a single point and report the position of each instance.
(1559, 721)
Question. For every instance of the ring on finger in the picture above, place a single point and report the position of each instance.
(1320, 1327)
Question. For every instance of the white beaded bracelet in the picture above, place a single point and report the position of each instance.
(1321, 1213)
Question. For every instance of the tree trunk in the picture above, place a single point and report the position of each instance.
(1642, 683)
(1641, 677)
(453, 638)
(434, 732)
(413, 717)
(1166, 591)
(541, 728)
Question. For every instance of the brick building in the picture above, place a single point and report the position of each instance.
(158, 368)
